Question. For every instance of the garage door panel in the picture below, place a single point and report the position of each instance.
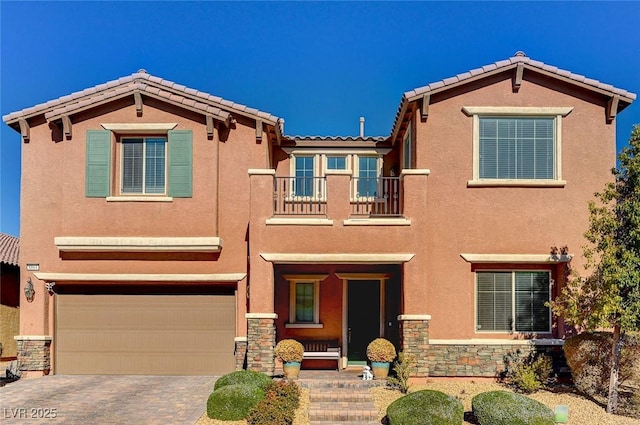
(145, 334)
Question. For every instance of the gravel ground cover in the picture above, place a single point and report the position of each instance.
(581, 410)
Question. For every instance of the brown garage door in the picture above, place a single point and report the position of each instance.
(145, 334)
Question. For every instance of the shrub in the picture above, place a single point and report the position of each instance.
(287, 392)
(589, 357)
(289, 350)
(426, 407)
(233, 402)
(245, 377)
(402, 368)
(279, 405)
(506, 408)
(381, 350)
(527, 374)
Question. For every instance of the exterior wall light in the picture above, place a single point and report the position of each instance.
(29, 291)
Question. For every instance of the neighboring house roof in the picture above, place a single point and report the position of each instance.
(337, 138)
(9, 249)
(528, 64)
(144, 83)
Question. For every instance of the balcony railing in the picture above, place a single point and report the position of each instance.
(376, 196)
(299, 196)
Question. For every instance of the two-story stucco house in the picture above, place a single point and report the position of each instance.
(175, 232)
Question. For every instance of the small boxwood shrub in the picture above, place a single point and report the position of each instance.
(233, 402)
(506, 408)
(246, 377)
(426, 407)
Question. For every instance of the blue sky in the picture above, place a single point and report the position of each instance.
(318, 65)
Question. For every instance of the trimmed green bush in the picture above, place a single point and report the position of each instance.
(233, 402)
(245, 377)
(506, 408)
(426, 407)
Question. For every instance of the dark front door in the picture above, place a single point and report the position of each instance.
(363, 317)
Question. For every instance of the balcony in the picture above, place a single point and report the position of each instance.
(307, 196)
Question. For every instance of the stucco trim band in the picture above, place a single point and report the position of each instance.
(133, 128)
(240, 339)
(516, 258)
(415, 172)
(377, 222)
(516, 183)
(519, 110)
(298, 258)
(299, 222)
(124, 277)
(261, 172)
(128, 244)
(405, 317)
(261, 315)
(139, 199)
(33, 338)
(542, 341)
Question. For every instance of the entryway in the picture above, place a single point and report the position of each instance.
(363, 317)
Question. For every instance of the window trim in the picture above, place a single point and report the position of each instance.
(121, 140)
(513, 303)
(557, 113)
(293, 281)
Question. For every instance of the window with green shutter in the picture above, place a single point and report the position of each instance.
(513, 301)
(98, 163)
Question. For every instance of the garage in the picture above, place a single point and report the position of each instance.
(144, 334)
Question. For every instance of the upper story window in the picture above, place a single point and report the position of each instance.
(513, 301)
(368, 173)
(304, 175)
(517, 146)
(336, 162)
(152, 160)
(144, 165)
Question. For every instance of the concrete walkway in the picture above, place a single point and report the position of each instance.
(80, 400)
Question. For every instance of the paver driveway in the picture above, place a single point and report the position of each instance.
(75, 400)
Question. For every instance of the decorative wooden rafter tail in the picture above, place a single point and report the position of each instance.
(66, 126)
(517, 79)
(426, 99)
(24, 130)
(258, 130)
(137, 97)
(210, 126)
(612, 108)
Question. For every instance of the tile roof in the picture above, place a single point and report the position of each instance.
(501, 66)
(145, 83)
(9, 249)
(337, 138)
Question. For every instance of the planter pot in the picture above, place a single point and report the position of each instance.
(380, 369)
(291, 369)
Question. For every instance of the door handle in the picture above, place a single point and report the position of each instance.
(349, 336)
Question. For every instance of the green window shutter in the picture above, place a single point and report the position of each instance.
(180, 163)
(98, 164)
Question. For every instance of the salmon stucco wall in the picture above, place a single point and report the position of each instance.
(502, 220)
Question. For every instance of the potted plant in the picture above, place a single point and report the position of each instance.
(290, 352)
(381, 353)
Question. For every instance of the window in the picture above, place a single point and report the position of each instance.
(407, 154)
(336, 162)
(367, 176)
(304, 175)
(143, 165)
(304, 301)
(516, 148)
(147, 165)
(519, 146)
(513, 301)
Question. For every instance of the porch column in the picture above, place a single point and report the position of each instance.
(414, 339)
(261, 342)
(34, 355)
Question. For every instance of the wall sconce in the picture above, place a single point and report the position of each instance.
(29, 291)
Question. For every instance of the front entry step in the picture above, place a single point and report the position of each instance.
(344, 400)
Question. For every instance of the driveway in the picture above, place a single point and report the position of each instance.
(83, 399)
